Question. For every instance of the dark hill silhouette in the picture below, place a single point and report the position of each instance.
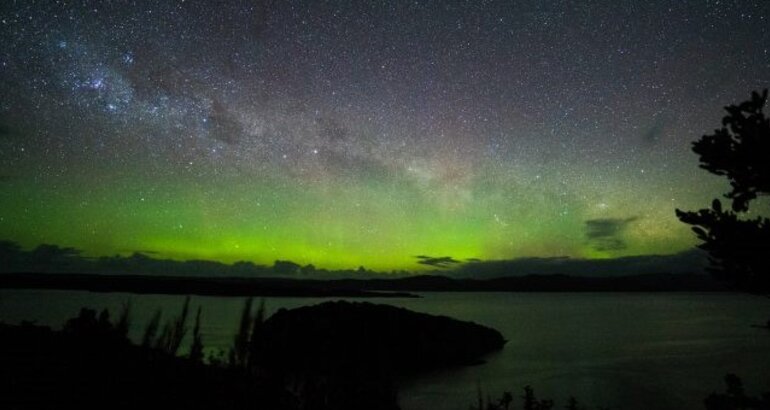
(693, 261)
(47, 258)
(56, 259)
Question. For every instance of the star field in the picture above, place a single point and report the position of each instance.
(365, 133)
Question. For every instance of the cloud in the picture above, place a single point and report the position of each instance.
(440, 262)
(608, 234)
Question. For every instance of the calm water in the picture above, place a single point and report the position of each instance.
(623, 350)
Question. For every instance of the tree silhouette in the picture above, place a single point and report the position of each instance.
(740, 150)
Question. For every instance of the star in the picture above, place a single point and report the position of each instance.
(368, 131)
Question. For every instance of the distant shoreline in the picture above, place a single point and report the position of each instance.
(363, 288)
(175, 285)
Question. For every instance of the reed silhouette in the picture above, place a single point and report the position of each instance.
(196, 348)
(92, 364)
(245, 351)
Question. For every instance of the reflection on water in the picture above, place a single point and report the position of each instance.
(629, 350)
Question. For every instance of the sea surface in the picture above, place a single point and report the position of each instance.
(619, 350)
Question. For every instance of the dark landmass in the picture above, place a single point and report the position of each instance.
(44, 369)
(398, 287)
(350, 355)
(363, 337)
(332, 356)
(663, 282)
(691, 261)
(176, 285)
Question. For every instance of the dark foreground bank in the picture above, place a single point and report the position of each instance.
(337, 355)
(91, 366)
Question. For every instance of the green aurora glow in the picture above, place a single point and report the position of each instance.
(380, 223)
(366, 133)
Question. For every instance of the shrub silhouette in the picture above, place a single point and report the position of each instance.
(90, 364)
(528, 402)
(739, 151)
(91, 329)
(735, 398)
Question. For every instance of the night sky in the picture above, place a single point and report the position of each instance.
(366, 133)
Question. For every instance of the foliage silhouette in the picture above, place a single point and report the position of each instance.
(532, 403)
(90, 364)
(735, 398)
(737, 247)
(93, 329)
(739, 151)
(528, 402)
(71, 365)
(572, 404)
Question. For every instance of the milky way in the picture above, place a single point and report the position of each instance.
(366, 133)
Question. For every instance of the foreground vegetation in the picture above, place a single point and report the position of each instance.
(276, 364)
(734, 398)
(91, 363)
(337, 355)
